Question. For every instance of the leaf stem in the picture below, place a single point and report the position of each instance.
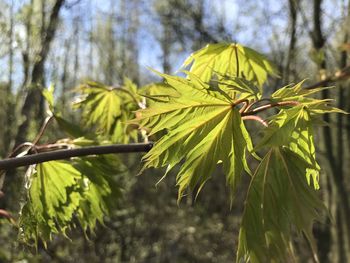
(269, 106)
(42, 129)
(342, 74)
(255, 118)
(256, 102)
(31, 145)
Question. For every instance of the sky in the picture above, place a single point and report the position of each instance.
(241, 18)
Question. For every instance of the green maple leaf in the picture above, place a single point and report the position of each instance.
(279, 200)
(203, 128)
(59, 191)
(108, 109)
(49, 192)
(101, 105)
(295, 92)
(100, 192)
(230, 59)
(293, 128)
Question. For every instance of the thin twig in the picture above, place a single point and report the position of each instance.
(30, 145)
(11, 163)
(42, 129)
(18, 148)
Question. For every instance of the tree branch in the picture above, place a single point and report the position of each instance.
(340, 75)
(11, 163)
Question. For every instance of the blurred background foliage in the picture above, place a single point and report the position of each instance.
(67, 42)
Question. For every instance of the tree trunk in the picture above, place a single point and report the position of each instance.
(10, 107)
(293, 22)
(30, 108)
(335, 163)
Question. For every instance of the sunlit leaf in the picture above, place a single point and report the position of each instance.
(295, 92)
(293, 128)
(60, 191)
(233, 60)
(279, 200)
(242, 88)
(100, 192)
(50, 188)
(203, 128)
(48, 95)
(108, 109)
(101, 105)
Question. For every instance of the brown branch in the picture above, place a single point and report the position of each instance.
(11, 163)
(343, 74)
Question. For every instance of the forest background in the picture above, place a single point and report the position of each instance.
(66, 42)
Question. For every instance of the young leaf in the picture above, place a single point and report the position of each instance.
(49, 192)
(109, 109)
(60, 190)
(233, 60)
(70, 128)
(242, 88)
(295, 93)
(102, 106)
(279, 199)
(293, 128)
(203, 128)
(100, 192)
(49, 97)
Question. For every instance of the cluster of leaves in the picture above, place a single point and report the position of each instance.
(80, 192)
(204, 124)
(200, 123)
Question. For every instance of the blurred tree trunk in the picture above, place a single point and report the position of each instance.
(65, 75)
(91, 44)
(293, 8)
(27, 50)
(332, 147)
(10, 107)
(165, 41)
(323, 233)
(341, 137)
(132, 41)
(30, 109)
(76, 25)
